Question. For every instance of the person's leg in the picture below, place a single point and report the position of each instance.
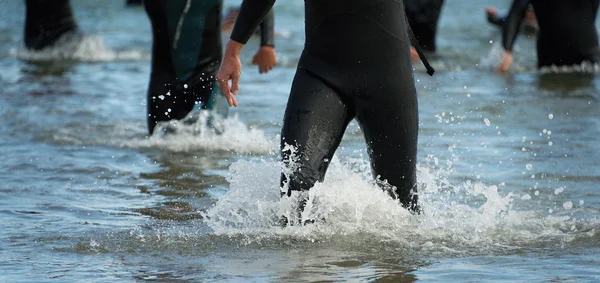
(314, 123)
(423, 17)
(166, 99)
(185, 57)
(46, 21)
(166, 103)
(389, 121)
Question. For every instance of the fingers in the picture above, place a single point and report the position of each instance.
(491, 11)
(235, 84)
(223, 81)
(234, 102)
(266, 68)
(224, 86)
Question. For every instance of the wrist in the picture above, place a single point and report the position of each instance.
(233, 48)
(270, 47)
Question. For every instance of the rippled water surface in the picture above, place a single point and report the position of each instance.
(509, 169)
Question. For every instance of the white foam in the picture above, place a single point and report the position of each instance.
(80, 48)
(459, 218)
(585, 67)
(493, 59)
(235, 136)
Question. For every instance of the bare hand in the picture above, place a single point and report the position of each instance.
(265, 58)
(491, 12)
(507, 60)
(231, 69)
(413, 54)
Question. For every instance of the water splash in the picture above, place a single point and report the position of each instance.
(494, 58)
(458, 218)
(229, 135)
(86, 48)
(585, 67)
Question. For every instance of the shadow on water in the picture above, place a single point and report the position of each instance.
(183, 179)
(57, 68)
(569, 84)
(173, 253)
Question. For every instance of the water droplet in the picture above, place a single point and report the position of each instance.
(528, 166)
(568, 205)
(487, 122)
(550, 116)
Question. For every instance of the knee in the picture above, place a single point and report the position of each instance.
(301, 179)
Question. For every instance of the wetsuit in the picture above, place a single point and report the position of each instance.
(423, 16)
(527, 28)
(133, 2)
(567, 32)
(46, 21)
(355, 64)
(186, 55)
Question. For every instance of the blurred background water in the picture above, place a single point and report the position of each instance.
(509, 168)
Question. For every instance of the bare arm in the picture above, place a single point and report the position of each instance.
(251, 14)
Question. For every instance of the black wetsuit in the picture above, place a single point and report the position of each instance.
(186, 55)
(423, 17)
(133, 2)
(46, 21)
(567, 32)
(526, 28)
(355, 64)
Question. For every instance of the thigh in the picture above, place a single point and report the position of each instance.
(314, 124)
(389, 121)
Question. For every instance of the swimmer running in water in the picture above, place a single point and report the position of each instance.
(529, 27)
(567, 32)
(47, 22)
(186, 55)
(356, 64)
(423, 17)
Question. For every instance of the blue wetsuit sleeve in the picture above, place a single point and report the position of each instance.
(251, 15)
(512, 23)
(267, 30)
